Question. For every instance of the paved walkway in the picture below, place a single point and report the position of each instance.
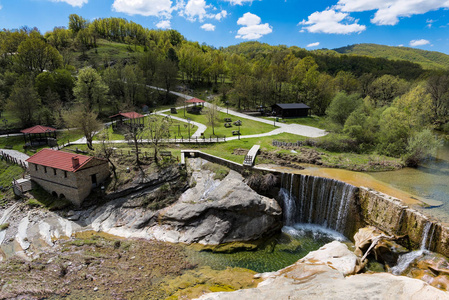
(296, 129)
(16, 154)
(201, 127)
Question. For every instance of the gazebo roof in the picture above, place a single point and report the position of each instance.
(38, 129)
(195, 100)
(129, 115)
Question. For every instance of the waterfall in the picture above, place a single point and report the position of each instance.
(407, 259)
(316, 200)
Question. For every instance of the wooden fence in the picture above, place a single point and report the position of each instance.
(286, 144)
(8, 158)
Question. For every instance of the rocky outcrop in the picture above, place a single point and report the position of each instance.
(215, 212)
(323, 274)
(211, 212)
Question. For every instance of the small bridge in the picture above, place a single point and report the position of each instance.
(251, 156)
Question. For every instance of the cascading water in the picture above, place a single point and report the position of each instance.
(316, 200)
(407, 259)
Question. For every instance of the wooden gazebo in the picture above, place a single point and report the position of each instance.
(131, 119)
(38, 135)
(195, 109)
(195, 101)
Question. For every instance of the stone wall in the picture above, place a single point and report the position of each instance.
(74, 186)
(215, 159)
(84, 178)
(62, 183)
(387, 213)
(393, 217)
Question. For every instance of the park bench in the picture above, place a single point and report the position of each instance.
(236, 132)
(173, 110)
(165, 153)
(227, 125)
(237, 123)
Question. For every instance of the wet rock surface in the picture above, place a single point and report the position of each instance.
(323, 275)
(211, 212)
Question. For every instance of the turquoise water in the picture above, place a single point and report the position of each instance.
(430, 181)
(278, 252)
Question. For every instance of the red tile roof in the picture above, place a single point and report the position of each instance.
(129, 115)
(58, 159)
(195, 100)
(38, 129)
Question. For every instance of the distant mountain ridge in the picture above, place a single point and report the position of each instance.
(427, 59)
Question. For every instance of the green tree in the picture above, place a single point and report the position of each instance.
(416, 108)
(23, 102)
(342, 106)
(90, 90)
(384, 89)
(438, 88)
(77, 23)
(166, 75)
(362, 124)
(421, 146)
(35, 55)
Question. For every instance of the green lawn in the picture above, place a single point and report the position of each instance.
(177, 129)
(17, 142)
(248, 127)
(8, 172)
(314, 121)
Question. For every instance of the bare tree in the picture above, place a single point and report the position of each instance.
(106, 151)
(158, 130)
(135, 134)
(212, 116)
(85, 120)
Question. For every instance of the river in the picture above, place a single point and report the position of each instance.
(430, 181)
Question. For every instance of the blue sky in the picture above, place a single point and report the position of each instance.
(308, 24)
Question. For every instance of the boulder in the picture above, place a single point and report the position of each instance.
(321, 275)
(370, 240)
(216, 212)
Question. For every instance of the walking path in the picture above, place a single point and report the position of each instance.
(296, 129)
(201, 127)
(16, 154)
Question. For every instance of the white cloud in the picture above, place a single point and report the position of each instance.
(313, 45)
(164, 24)
(389, 11)
(198, 9)
(252, 29)
(157, 8)
(194, 9)
(249, 19)
(208, 27)
(221, 15)
(239, 2)
(78, 3)
(421, 42)
(331, 21)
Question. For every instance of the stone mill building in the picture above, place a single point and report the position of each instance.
(67, 175)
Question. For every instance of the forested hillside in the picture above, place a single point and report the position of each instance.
(91, 70)
(427, 59)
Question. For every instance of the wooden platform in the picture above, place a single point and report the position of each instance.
(251, 156)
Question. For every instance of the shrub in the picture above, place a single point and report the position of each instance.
(421, 146)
